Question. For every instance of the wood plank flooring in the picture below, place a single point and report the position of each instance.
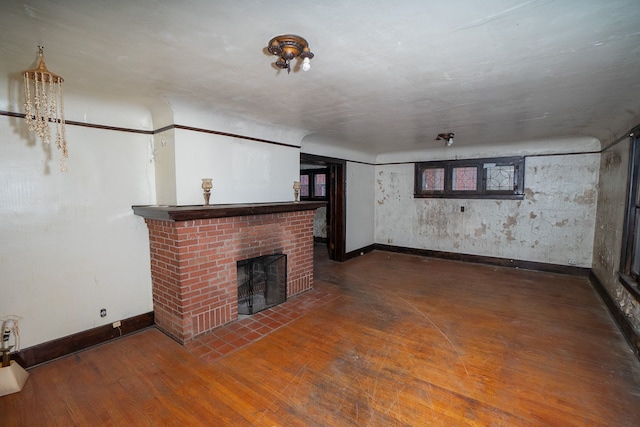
(398, 340)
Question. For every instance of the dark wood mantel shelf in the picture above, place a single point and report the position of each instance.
(187, 213)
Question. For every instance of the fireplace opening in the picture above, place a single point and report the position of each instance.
(262, 283)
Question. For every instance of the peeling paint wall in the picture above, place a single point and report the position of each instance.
(607, 246)
(320, 223)
(553, 224)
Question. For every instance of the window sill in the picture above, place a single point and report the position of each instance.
(630, 285)
(470, 196)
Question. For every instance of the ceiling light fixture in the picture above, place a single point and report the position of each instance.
(447, 137)
(44, 104)
(289, 47)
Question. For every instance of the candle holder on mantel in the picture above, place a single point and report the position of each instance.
(296, 189)
(207, 185)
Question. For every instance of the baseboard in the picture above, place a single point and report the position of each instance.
(51, 350)
(359, 252)
(321, 240)
(503, 262)
(618, 316)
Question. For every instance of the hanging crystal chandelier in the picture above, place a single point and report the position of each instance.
(44, 104)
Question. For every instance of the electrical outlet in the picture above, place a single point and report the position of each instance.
(103, 312)
(116, 324)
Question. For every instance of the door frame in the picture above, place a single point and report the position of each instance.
(336, 207)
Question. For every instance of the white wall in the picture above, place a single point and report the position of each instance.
(242, 171)
(164, 159)
(553, 224)
(71, 244)
(320, 145)
(360, 201)
(523, 148)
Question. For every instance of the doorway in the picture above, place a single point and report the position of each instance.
(335, 195)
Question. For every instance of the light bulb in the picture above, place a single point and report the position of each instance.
(306, 64)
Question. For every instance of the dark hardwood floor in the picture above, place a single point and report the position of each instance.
(403, 341)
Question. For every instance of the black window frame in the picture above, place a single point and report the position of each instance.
(312, 179)
(481, 192)
(630, 253)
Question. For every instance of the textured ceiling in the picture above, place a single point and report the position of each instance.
(387, 76)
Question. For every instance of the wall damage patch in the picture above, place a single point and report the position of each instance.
(586, 198)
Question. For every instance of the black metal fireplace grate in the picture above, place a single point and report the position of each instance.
(262, 283)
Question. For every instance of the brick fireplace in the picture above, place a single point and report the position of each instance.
(194, 253)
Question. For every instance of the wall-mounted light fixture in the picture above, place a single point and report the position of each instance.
(44, 104)
(447, 137)
(289, 47)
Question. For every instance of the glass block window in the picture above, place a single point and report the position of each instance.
(464, 179)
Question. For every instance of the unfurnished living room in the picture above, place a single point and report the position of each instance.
(329, 213)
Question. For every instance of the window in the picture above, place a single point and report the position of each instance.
(495, 178)
(313, 183)
(630, 256)
(464, 179)
(304, 185)
(433, 179)
(320, 185)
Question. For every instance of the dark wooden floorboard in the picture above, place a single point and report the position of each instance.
(403, 341)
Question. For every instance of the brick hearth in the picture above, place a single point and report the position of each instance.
(194, 261)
